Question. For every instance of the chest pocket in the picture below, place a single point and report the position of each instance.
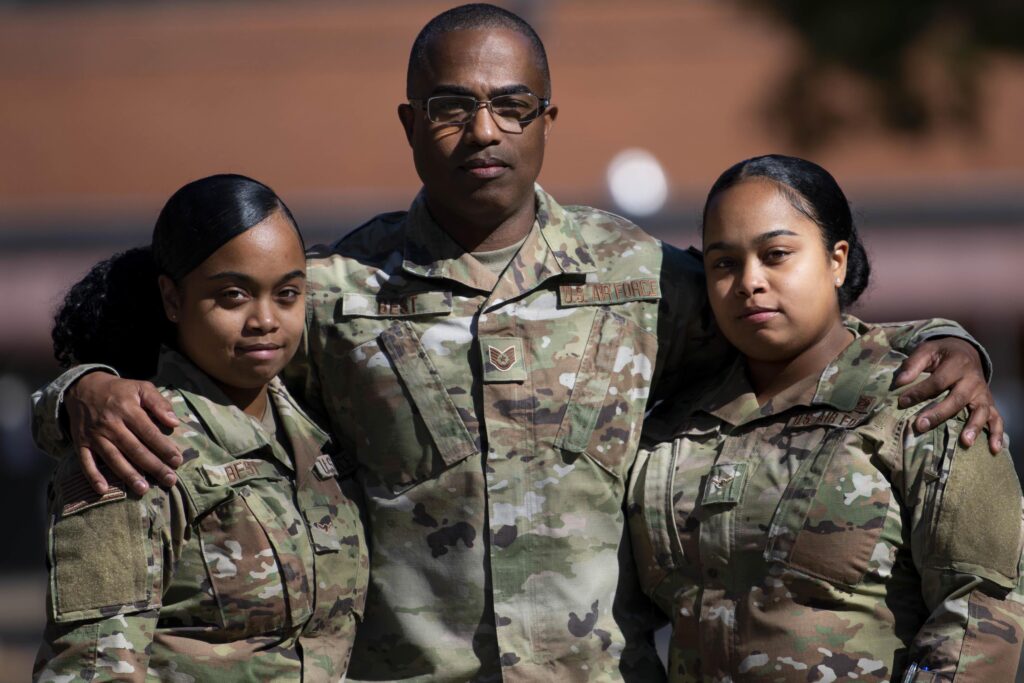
(832, 513)
(609, 394)
(407, 425)
(251, 537)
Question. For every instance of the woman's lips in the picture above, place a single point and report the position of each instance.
(760, 315)
(261, 351)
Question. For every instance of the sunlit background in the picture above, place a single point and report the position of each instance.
(916, 107)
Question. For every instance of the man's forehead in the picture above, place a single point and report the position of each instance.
(491, 59)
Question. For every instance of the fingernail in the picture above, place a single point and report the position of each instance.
(170, 414)
(169, 479)
(924, 423)
(904, 401)
(101, 486)
(177, 460)
(969, 435)
(140, 486)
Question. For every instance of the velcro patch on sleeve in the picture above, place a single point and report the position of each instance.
(979, 521)
(599, 293)
(77, 494)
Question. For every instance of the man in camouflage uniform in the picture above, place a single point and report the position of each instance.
(252, 568)
(486, 359)
(819, 538)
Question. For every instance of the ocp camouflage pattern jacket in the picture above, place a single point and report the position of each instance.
(252, 568)
(818, 538)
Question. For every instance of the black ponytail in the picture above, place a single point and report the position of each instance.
(114, 315)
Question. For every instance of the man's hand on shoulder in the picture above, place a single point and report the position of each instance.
(954, 365)
(119, 420)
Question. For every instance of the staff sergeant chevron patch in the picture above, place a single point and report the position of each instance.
(503, 359)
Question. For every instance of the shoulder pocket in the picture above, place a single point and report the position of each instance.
(977, 521)
(100, 551)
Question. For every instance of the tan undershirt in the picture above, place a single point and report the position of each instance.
(496, 261)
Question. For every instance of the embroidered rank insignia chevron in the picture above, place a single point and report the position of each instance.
(502, 360)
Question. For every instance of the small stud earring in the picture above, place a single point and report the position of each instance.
(837, 282)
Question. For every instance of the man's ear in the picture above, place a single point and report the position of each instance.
(550, 114)
(170, 298)
(407, 115)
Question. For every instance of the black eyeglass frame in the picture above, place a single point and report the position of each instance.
(423, 104)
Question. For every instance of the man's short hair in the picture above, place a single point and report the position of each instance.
(469, 17)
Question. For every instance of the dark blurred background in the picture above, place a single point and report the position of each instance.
(916, 107)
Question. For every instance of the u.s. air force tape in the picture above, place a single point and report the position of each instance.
(597, 293)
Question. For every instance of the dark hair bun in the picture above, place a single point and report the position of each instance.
(815, 193)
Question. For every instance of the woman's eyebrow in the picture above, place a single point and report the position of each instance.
(771, 234)
(760, 239)
(231, 275)
(235, 275)
(301, 274)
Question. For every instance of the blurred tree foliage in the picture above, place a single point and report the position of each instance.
(907, 65)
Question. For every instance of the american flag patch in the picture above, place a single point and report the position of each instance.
(76, 492)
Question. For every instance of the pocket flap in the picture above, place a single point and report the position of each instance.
(421, 379)
(208, 485)
(590, 385)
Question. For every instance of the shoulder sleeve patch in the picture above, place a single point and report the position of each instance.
(978, 523)
(76, 493)
(101, 559)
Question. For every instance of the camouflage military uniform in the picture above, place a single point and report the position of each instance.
(817, 538)
(493, 420)
(253, 567)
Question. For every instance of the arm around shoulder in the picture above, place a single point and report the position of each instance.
(47, 409)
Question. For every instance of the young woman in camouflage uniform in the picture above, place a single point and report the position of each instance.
(253, 566)
(790, 521)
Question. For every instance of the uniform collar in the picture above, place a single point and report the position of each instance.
(862, 372)
(554, 246)
(226, 425)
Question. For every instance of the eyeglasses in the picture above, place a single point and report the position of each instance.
(510, 112)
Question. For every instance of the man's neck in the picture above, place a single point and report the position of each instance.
(485, 232)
